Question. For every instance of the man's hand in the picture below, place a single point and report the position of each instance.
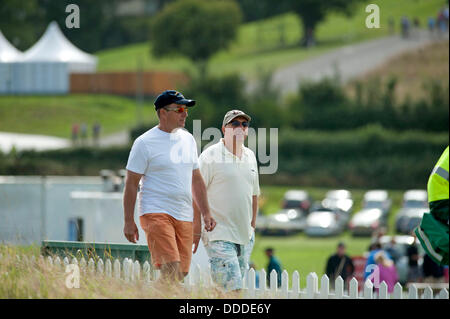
(131, 232)
(196, 241)
(209, 221)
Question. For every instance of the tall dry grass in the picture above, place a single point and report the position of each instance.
(27, 275)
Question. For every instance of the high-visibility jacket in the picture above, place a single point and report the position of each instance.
(433, 231)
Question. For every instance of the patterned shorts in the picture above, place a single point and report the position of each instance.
(229, 261)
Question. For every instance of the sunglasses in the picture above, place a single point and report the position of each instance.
(179, 109)
(236, 123)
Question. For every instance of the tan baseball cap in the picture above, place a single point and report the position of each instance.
(231, 115)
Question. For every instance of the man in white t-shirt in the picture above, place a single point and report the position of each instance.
(163, 162)
(230, 172)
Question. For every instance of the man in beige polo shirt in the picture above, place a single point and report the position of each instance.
(230, 172)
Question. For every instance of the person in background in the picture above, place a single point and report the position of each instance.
(339, 264)
(273, 264)
(392, 250)
(387, 271)
(373, 249)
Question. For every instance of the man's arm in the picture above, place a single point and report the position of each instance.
(254, 210)
(201, 200)
(130, 229)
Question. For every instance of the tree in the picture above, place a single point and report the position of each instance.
(21, 22)
(196, 29)
(312, 12)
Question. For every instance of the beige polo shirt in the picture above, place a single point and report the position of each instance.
(231, 183)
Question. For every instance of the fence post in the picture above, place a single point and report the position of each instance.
(284, 284)
(262, 282)
(428, 293)
(251, 287)
(58, 262)
(339, 288)
(108, 268)
(126, 269)
(146, 271)
(294, 294)
(353, 289)
(443, 294)
(65, 261)
(100, 266)
(413, 294)
(50, 261)
(136, 271)
(311, 285)
(383, 291)
(368, 289)
(398, 291)
(91, 266)
(273, 283)
(117, 269)
(83, 263)
(324, 287)
(74, 261)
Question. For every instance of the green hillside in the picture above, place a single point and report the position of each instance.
(54, 115)
(272, 43)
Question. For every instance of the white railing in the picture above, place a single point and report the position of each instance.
(130, 271)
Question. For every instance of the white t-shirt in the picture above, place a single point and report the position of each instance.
(167, 161)
(231, 184)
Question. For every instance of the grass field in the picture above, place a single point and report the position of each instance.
(54, 115)
(272, 43)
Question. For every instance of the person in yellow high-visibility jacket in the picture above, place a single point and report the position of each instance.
(433, 231)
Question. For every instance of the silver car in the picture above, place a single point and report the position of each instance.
(376, 207)
(284, 222)
(325, 223)
(298, 199)
(415, 204)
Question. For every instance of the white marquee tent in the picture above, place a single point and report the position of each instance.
(53, 46)
(44, 68)
(8, 55)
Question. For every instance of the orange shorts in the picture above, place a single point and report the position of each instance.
(169, 240)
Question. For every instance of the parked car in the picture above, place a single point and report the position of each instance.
(377, 199)
(284, 222)
(373, 216)
(401, 245)
(325, 222)
(298, 199)
(415, 204)
(338, 199)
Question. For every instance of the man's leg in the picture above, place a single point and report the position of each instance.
(224, 264)
(244, 258)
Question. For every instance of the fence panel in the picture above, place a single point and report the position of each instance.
(130, 272)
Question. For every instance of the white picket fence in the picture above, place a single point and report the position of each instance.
(130, 271)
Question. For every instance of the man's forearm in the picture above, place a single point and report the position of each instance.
(254, 208)
(129, 202)
(200, 196)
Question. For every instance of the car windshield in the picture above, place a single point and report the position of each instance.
(292, 203)
(373, 204)
(415, 204)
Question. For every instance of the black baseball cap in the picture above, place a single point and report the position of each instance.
(171, 96)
